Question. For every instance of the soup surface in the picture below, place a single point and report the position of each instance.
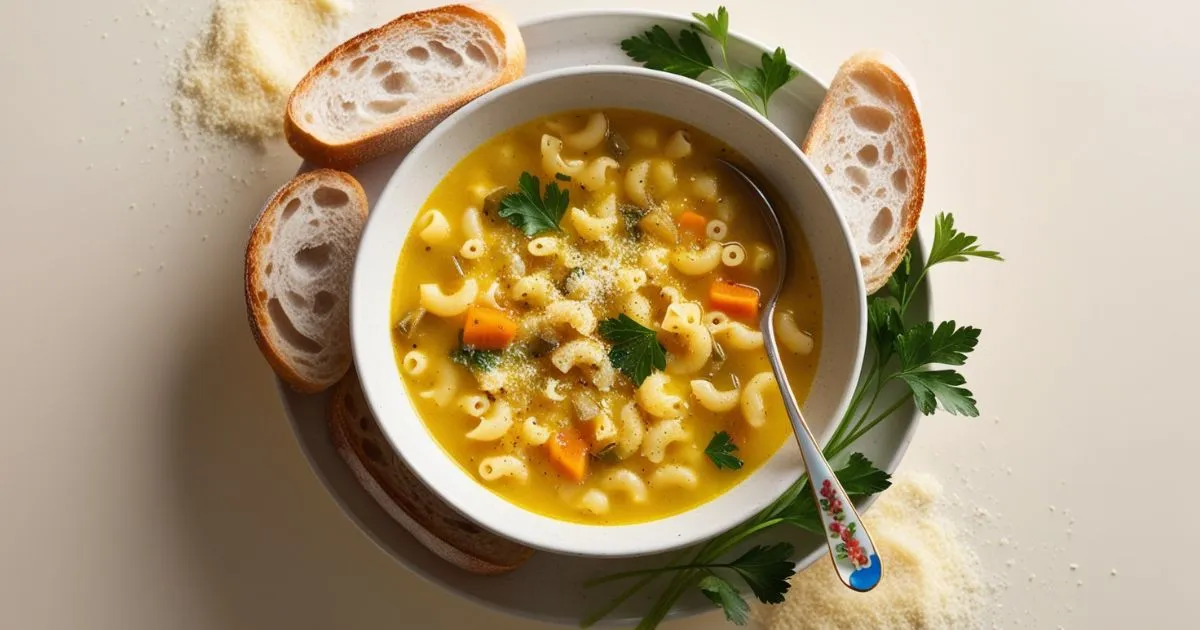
(576, 318)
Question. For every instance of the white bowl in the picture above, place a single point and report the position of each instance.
(799, 191)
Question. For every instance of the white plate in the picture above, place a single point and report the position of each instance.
(548, 587)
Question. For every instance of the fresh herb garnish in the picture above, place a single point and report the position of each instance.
(476, 359)
(765, 569)
(531, 212)
(688, 57)
(859, 478)
(632, 215)
(720, 450)
(562, 177)
(635, 348)
(916, 355)
(727, 598)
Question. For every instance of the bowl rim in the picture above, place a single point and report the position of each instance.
(613, 545)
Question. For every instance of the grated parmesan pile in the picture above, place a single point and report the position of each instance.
(931, 579)
(237, 76)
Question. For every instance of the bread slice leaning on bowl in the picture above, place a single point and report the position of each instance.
(384, 89)
(359, 440)
(298, 265)
(868, 143)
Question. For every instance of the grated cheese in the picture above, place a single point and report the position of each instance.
(931, 578)
(238, 74)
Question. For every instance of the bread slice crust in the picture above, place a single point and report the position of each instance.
(402, 132)
(256, 294)
(405, 498)
(820, 136)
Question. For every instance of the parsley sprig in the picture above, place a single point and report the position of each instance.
(532, 212)
(475, 359)
(635, 351)
(720, 450)
(920, 356)
(688, 57)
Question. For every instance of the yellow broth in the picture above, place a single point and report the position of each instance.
(464, 205)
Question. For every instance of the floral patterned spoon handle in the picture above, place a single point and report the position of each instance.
(850, 546)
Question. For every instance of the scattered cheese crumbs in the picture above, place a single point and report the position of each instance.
(238, 74)
(931, 578)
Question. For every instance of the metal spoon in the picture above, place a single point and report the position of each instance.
(850, 545)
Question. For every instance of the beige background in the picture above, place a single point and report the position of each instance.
(148, 478)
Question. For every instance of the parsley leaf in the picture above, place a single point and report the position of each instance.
(475, 359)
(766, 571)
(860, 477)
(898, 281)
(773, 74)
(720, 450)
(656, 50)
(687, 56)
(529, 212)
(727, 598)
(635, 348)
(716, 26)
(947, 344)
(933, 387)
(884, 326)
(950, 245)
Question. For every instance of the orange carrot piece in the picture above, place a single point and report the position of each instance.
(692, 222)
(735, 300)
(569, 453)
(488, 328)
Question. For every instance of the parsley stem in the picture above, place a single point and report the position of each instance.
(684, 581)
(863, 385)
(883, 415)
(626, 594)
(749, 98)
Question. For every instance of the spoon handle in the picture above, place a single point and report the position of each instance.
(850, 547)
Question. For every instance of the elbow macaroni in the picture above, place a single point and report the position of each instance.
(494, 425)
(790, 335)
(590, 136)
(587, 354)
(662, 435)
(415, 363)
(436, 229)
(697, 263)
(502, 467)
(754, 409)
(653, 398)
(712, 398)
(436, 301)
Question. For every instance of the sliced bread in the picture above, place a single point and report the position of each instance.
(868, 142)
(298, 266)
(405, 498)
(384, 89)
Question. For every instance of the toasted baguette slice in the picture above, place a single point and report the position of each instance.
(379, 469)
(384, 89)
(298, 265)
(868, 142)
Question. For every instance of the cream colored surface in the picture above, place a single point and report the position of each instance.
(149, 477)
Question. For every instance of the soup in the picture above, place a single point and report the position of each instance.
(576, 318)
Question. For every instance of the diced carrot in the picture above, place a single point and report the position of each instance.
(735, 300)
(488, 328)
(692, 222)
(569, 453)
